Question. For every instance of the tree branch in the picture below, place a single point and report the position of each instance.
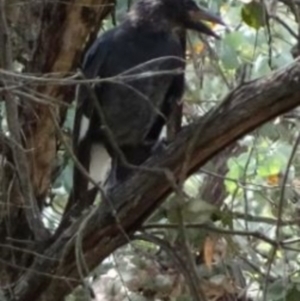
(244, 109)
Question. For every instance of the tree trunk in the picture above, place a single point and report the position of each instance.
(65, 28)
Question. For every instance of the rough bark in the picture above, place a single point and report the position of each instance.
(244, 109)
(65, 29)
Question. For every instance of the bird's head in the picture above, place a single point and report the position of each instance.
(185, 14)
(188, 14)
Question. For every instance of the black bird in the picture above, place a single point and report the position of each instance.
(127, 114)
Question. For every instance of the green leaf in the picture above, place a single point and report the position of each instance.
(277, 290)
(270, 166)
(260, 66)
(236, 40)
(229, 55)
(253, 15)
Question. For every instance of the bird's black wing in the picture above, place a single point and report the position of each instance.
(172, 106)
(170, 116)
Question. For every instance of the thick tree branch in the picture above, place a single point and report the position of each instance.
(242, 110)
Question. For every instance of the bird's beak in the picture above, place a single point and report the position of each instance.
(196, 15)
(199, 13)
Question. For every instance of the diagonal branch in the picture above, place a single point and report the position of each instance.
(244, 109)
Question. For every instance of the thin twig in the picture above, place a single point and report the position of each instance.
(255, 234)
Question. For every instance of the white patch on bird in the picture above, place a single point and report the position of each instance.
(163, 133)
(84, 126)
(100, 164)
